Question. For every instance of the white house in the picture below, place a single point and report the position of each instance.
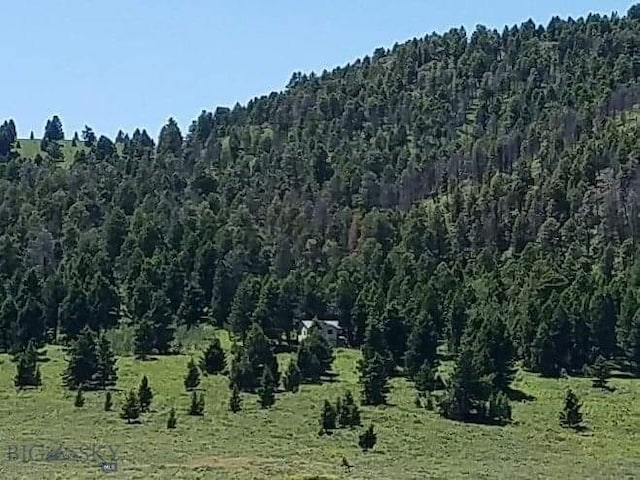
(330, 328)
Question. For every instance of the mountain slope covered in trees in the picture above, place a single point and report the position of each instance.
(481, 189)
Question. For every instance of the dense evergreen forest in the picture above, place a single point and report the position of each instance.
(476, 192)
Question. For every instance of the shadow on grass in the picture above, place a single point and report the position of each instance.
(516, 395)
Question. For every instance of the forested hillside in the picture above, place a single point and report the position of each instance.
(481, 188)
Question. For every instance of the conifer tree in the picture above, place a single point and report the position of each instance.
(192, 378)
(373, 380)
(79, 400)
(108, 402)
(327, 418)
(570, 416)
(422, 345)
(499, 408)
(171, 420)
(600, 371)
(106, 371)
(145, 395)
(292, 377)
(196, 408)
(315, 355)
(267, 389)
(27, 370)
(348, 412)
(131, 407)
(213, 359)
(143, 339)
(235, 400)
(426, 379)
(367, 439)
(82, 365)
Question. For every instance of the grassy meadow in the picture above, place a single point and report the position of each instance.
(282, 442)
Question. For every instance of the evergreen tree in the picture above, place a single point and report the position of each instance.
(499, 408)
(266, 392)
(426, 379)
(82, 366)
(235, 400)
(373, 379)
(327, 418)
(213, 359)
(422, 345)
(570, 416)
(27, 370)
(79, 400)
(315, 344)
(466, 391)
(600, 371)
(106, 370)
(292, 377)
(160, 317)
(367, 439)
(108, 402)
(145, 395)
(131, 407)
(143, 339)
(196, 408)
(192, 378)
(171, 420)
(348, 412)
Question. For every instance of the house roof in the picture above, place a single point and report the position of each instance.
(332, 323)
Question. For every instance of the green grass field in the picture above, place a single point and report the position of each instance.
(30, 148)
(282, 442)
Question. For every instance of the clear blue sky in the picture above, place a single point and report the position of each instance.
(133, 63)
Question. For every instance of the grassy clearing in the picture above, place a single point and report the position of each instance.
(30, 148)
(283, 443)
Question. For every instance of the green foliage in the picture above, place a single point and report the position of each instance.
(108, 402)
(192, 378)
(145, 395)
(348, 413)
(571, 416)
(367, 439)
(235, 400)
(292, 377)
(172, 421)
(373, 380)
(600, 371)
(315, 355)
(130, 407)
(213, 360)
(27, 369)
(79, 399)
(196, 407)
(328, 417)
(267, 389)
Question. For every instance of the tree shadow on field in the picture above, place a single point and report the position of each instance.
(516, 395)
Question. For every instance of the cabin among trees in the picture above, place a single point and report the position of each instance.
(330, 328)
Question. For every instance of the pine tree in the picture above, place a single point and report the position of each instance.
(108, 402)
(145, 395)
(82, 365)
(600, 371)
(422, 345)
(267, 389)
(143, 339)
(425, 379)
(367, 439)
(373, 379)
(106, 370)
(171, 420)
(131, 407)
(571, 417)
(235, 400)
(348, 412)
(466, 391)
(499, 408)
(292, 377)
(79, 400)
(315, 344)
(196, 408)
(27, 370)
(192, 379)
(213, 359)
(327, 418)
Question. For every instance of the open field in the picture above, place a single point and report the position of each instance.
(282, 442)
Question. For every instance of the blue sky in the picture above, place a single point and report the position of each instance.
(122, 64)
